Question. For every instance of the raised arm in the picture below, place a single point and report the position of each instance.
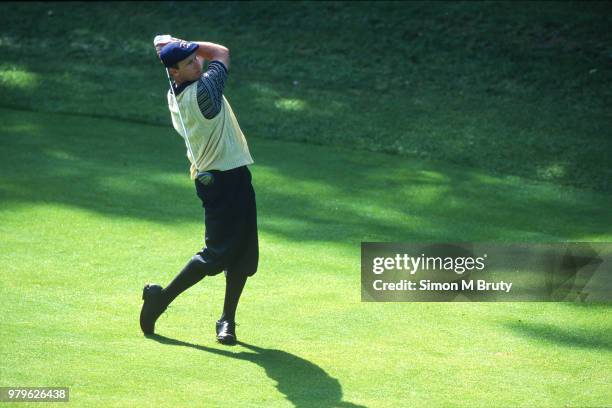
(213, 52)
(207, 50)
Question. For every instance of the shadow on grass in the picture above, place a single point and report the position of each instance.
(303, 383)
(572, 338)
(304, 192)
(513, 84)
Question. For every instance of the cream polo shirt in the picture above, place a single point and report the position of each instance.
(217, 143)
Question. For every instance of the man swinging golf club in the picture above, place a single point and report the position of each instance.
(219, 156)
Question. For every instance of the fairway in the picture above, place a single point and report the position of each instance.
(381, 132)
(91, 209)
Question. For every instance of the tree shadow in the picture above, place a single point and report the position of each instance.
(525, 142)
(303, 383)
(304, 192)
(564, 337)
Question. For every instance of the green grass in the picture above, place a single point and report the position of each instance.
(93, 208)
(507, 88)
(418, 121)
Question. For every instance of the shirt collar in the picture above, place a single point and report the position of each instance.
(181, 87)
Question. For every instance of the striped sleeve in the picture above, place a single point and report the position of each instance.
(210, 89)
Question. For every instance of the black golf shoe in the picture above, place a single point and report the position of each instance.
(152, 307)
(226, 332)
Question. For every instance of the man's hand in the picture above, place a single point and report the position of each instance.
(161, 40)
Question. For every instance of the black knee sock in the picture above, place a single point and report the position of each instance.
(191, 274)
(234, 283)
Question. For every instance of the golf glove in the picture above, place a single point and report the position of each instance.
(160, 40)
(205, 177)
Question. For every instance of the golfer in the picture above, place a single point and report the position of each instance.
(219, 156)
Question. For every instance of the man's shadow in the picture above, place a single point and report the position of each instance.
(303, 383)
